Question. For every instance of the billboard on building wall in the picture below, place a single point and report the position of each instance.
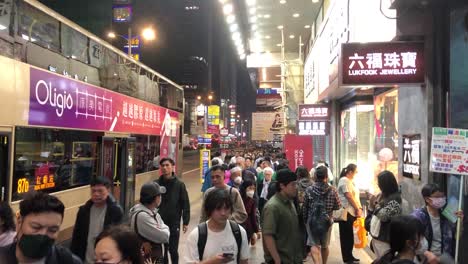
(266, 124)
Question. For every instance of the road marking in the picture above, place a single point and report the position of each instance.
(190, 171)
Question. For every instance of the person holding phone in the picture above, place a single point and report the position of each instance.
(218, 240)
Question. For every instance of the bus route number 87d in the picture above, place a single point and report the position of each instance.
(23, 185)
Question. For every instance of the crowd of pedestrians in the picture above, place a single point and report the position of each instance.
(247, 197)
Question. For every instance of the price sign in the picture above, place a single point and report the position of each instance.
(449, 151)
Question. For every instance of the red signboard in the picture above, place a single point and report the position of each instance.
(383, 63)
(315, 112)
(298, 151)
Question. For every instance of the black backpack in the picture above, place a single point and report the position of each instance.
(203, 236)
(319, 219)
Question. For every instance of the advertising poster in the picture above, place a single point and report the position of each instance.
(266, 124)
(169, 138)
(205, 163)
(412, 156)
(298, 151)
(213, 119)
(449, 151)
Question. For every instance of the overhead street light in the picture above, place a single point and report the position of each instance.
(147, 34)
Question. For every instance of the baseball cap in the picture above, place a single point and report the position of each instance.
(285, 176)
(151, 189)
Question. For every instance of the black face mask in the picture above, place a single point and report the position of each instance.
(35, 246)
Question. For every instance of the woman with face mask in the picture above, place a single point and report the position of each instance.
(247, 191)
(438, 230)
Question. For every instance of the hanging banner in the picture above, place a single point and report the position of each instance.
(213, 119)
(449, 151)
(205, 163)
(298, 151)
(412, 156)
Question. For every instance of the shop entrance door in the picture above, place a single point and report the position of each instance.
(4, 164)
(118, 155)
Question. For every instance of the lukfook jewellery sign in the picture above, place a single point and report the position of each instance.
(370, 64)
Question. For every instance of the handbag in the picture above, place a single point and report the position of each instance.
(340, 215)
(360, 234)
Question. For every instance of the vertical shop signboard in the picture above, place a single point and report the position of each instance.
(298, 151)
(204, 163)
(412, 156)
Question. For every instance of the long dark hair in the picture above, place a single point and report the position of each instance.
(127, 241)
(302, 172)
(387, 183)
(351, 167)
(243, 187)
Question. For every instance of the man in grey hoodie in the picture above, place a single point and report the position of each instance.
(147, 223)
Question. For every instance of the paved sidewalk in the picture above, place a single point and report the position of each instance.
(191, 179)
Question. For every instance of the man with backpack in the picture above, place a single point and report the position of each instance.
(320, 201)
(239, 215)
(218, 240)
(148, 224)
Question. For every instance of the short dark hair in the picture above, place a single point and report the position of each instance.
(403, 228)
(167, 159)
(387, 183)
(217, 167)
(101, 180)
(321, 173)
(302, 172)
(214, 162)
(39, 202)
(7, 216)
(429, 189)
(127, 241)
(217, 199)
(244, 185)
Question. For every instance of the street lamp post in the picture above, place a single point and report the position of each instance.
(147, 34)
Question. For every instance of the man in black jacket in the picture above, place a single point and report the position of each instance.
(93, 217)
(175, 204)
(38, 227)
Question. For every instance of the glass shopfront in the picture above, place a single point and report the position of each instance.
(369, 139)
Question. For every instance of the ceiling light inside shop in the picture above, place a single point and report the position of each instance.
(279, 45)
(280, 27)
(267, 16)
(283, 2)
(291, 36)
(267, 37)
(254, 27)
(222, 1)
(250, 2)
(233, 28)
(253, 19)
(227, 9)
(236, 35)
(315, 1)
(252, 10)
(296, 15)
(307, 26)
(230, 19)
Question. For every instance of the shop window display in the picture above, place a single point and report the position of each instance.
(147, 153)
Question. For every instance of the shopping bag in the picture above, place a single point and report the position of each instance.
(360, 233)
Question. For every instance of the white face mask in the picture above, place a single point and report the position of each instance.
(238, 180)
(250, 193)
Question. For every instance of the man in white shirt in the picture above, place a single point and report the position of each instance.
(224, 241)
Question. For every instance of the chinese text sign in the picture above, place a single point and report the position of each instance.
(298, 151)
(382, 63)
(412, 156)
(449, 151)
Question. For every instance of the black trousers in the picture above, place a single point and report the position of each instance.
(347, 238)
(173, 247)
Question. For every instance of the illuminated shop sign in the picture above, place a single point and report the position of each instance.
(314, 112)
(382, 63)
(313, 128)
(265, 91)
(122, 13)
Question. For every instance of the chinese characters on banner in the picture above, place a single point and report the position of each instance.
(449, 151)
(412, 156)
(382, 63)
(213, 119)
(298, 151)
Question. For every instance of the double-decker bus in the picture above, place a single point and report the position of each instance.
(73, 107)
